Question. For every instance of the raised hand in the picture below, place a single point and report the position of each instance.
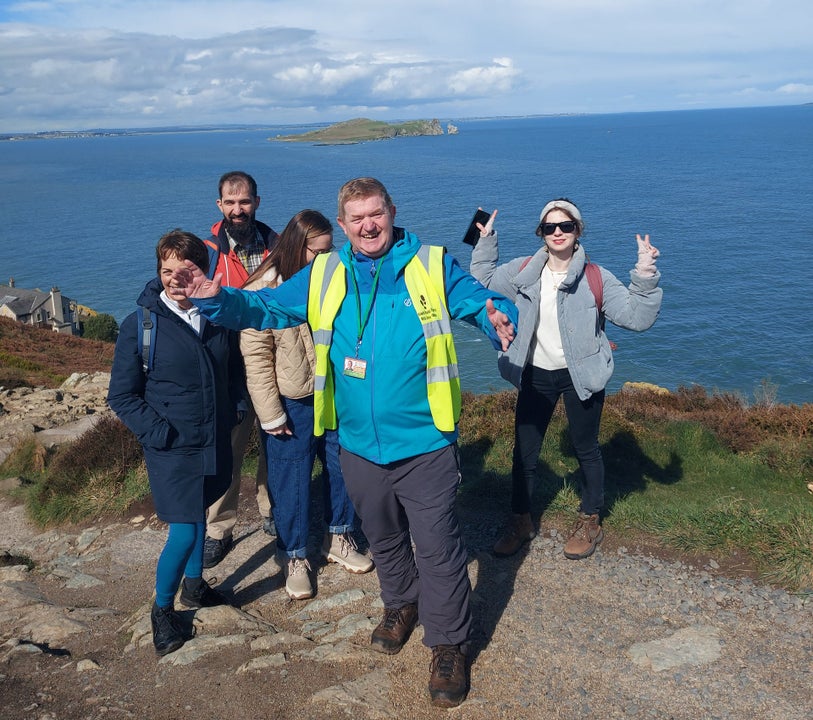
(488, 228)
(645, 246)
(502, 324)
(192, 282)
(647, 253)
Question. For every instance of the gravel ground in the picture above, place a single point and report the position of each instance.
(624, 634)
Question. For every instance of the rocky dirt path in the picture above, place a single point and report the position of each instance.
(624, 634)
(616, 636)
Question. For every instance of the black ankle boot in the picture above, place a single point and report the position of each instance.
(167, 635)
(197, 593)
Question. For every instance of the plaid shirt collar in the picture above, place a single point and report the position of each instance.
(250, 255)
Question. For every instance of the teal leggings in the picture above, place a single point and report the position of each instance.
(182, 555)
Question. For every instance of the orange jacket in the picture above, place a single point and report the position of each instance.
(223, 260)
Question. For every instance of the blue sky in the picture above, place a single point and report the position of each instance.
(75, 64)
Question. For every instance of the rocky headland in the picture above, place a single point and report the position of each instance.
(364, 130)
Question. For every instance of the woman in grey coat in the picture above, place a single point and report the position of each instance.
(561, 351)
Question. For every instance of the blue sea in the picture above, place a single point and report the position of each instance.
(726, 195)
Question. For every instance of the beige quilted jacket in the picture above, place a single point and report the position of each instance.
(279, 363)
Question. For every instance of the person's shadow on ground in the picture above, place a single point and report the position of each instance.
(484, 503)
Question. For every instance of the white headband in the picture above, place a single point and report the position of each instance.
(566, 205)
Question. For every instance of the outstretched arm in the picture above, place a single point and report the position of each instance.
(192, 282)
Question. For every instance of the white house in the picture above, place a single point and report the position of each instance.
(38, 308)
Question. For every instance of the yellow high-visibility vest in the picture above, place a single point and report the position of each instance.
(424, 279)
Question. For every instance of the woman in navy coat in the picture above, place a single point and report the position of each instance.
(182, 402)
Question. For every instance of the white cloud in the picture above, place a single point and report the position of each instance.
(481, 81)
(796, 89)
(201, 55)
(80, 63)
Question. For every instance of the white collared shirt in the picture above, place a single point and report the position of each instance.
(191, 317)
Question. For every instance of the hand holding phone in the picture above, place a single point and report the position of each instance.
(473, 233)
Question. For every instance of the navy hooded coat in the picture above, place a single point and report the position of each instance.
(183, 409)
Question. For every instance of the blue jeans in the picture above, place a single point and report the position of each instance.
(290, 464)
(538, 394)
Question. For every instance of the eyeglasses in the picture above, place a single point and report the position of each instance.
(568, 226)
(320, 251)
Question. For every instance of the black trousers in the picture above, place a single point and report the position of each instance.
(416, 498)
(539, 392)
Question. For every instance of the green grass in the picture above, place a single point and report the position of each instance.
(677, 481)
(689, 472)
(99, 475)
(15, 367)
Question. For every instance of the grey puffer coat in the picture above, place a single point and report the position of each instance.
(587, 350)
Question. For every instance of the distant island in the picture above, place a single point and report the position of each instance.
(364, 130)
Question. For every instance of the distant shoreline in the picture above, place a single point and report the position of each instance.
(171, 129)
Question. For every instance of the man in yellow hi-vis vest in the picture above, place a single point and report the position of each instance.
(386, 373)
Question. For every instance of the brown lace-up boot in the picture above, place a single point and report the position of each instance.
(448, 681)
(518, 531)
(584, 537)
(394, 629)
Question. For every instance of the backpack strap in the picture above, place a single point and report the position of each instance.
(146, 347)
(596, 284)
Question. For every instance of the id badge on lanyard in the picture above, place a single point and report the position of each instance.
(356, 367)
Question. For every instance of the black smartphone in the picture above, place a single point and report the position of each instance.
(473, 233)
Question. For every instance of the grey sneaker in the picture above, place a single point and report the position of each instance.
(342, 549)
(297, 579)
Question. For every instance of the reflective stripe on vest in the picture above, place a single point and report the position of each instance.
(425, 282)
(424, 279)
(325, 294)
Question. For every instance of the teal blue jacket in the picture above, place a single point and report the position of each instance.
(384, 417)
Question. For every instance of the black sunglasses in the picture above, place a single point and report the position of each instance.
(568, 226)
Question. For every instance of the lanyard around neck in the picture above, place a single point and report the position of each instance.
(363, 318)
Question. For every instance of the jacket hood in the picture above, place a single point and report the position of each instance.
(150, 294)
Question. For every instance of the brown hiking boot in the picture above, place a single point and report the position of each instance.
(586, 534)
(518, 531)
(394, 629)
(448, 683)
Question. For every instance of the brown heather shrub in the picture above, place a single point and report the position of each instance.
(35, 357)
(739, 427)
(490, 416)
(108, 448)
